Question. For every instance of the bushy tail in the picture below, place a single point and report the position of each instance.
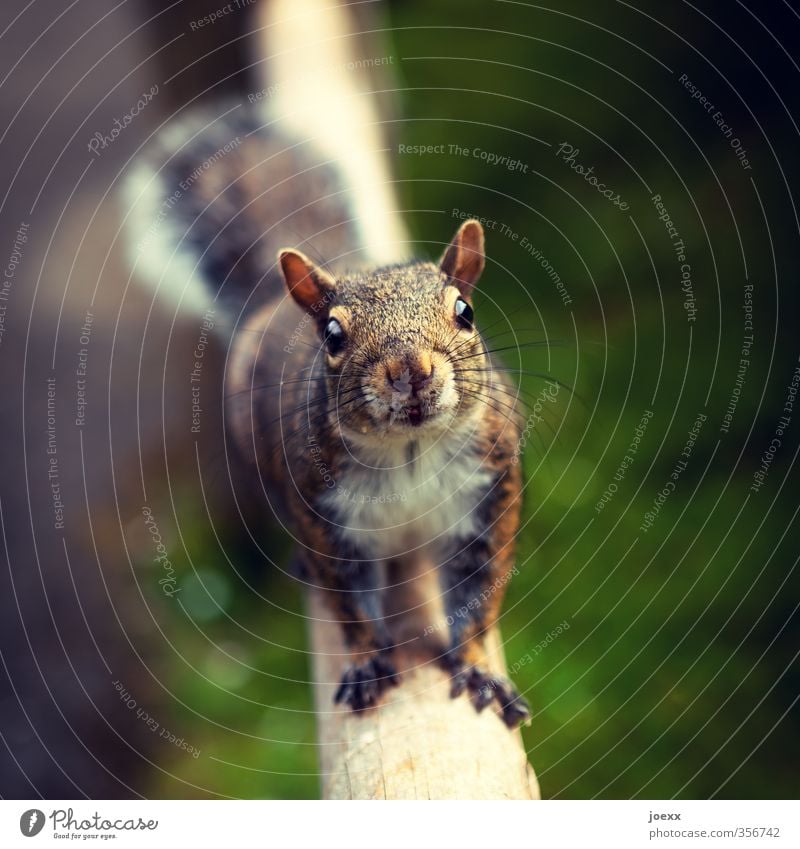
(300, 163)
(323, 89)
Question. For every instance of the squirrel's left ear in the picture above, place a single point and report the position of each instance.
(311, 287)
(464, 258)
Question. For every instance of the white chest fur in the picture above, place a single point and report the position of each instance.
(400, 502)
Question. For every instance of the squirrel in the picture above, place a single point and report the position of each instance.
(360, 394)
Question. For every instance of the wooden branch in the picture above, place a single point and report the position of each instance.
(418, 743)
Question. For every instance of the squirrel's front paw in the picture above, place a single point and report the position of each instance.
(364, 683)
(484, 688)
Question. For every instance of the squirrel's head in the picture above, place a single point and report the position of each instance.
(400, 349)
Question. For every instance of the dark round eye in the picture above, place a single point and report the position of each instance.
(464, 314)
(334, 337)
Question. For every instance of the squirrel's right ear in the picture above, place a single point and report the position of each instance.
(311, 287)
(464, 258)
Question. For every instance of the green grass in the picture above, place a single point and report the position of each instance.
(674, 675)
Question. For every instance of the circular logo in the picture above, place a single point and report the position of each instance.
(31, 822)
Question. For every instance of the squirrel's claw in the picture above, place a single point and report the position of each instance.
(363, 684)
(485, 688)
(459, 683)
(517, 713)
(483, 695)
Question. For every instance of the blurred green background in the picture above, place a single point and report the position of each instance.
(677, 674)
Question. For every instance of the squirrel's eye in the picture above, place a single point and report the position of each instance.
(464, 314)
(334, 337)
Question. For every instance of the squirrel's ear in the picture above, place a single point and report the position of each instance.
(464, 258)
(308, 285)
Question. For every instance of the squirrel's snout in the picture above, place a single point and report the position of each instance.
(411, 389)
(410, 376)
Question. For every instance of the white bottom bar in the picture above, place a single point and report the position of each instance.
(401, 825)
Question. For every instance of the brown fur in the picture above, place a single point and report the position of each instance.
(406, 400)
(300, 413)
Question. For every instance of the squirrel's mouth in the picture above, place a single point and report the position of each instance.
(415, 415)
(411, 412)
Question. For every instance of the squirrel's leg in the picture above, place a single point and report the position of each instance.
(473, 582)
(473, 586)
(353, 591)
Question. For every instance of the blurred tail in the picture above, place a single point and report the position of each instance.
(300, 162)
(322, 88)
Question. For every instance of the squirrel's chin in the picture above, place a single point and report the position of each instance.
(402, 427)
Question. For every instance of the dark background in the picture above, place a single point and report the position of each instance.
(678, 673)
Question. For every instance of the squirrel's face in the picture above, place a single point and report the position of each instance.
(401, 351)
(397, 346)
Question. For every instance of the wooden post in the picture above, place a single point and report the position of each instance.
(418, 743)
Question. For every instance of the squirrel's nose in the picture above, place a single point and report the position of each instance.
(421, 380)
(410, 375)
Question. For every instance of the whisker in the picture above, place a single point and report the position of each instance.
(482, 338)
(469, 390)
(263, 386)
(501, 367)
